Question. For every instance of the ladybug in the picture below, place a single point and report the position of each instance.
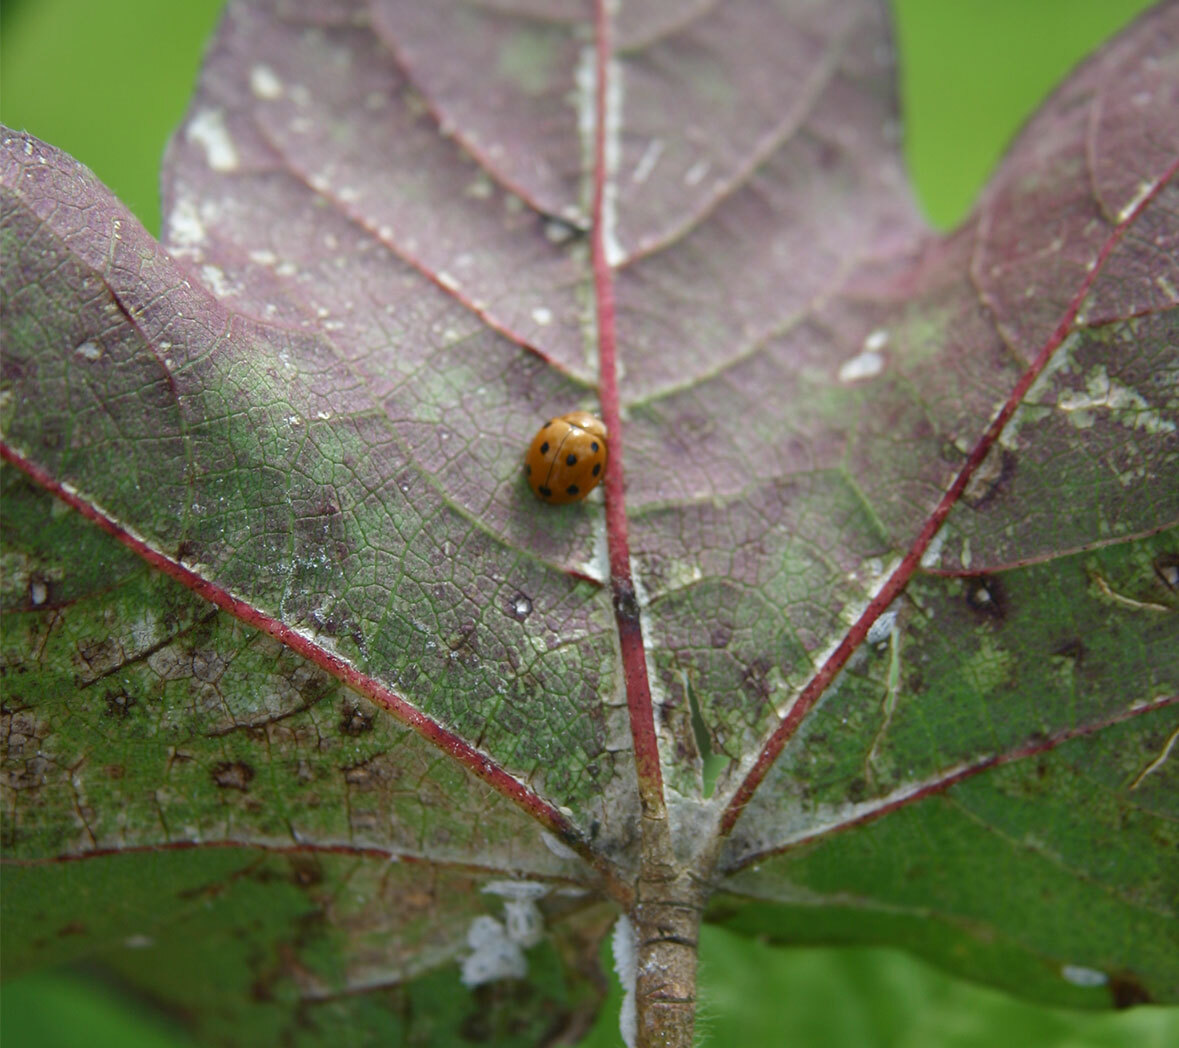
(567, 457)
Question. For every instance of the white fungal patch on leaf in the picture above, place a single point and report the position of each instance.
(1126, 406)
(264, 83)
(207, 129)
(882, 628)
(523, 921)
(542, 315)
(1141, 192)
(680, 574)
(648, 161)
(186, 226)
(587, 101)
(867, 364)
(216, 281)
(1079, 975)
(493, 955)
(933, 552)
(598, 566)
(89, 350)
(625, 946)
(497, 948)
(695, 174)
(558, 848)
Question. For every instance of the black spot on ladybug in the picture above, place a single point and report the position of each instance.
(597, 468)
(547, 424)
(594, 446)
(233, 775)
(527, 470)
(571, 490)
(570, 460)
(985, 596)
(544, 448)
(546, 492)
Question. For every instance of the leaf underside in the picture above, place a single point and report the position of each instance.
(900, 517)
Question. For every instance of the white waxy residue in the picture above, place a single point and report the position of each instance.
(497, 948)
(1079, 975)
(869, 362)
(186, 228)
(493, 955)
(626, 964)
(207, 129)
(264, 83)
(648, 160)
(882, 628)
(863, 365)
(933, 552)
(558, 848)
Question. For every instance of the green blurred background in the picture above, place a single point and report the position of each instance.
(109, 81)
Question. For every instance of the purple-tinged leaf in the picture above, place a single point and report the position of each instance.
(871, 637)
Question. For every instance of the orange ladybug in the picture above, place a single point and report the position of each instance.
(567, 457)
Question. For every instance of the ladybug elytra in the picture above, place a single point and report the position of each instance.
(567, 458)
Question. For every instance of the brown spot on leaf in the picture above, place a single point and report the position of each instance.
(101, 657)
(755, 680)
(1127, 991)
(119, 704)
(1072, 649)
(626, 605)
(985, 597)
(519, 606)
(990, 478)
(73, 928)
(354, 721)
(362, 776)
(233, 775)
(463, 644)
(1166, 567)
(114, 771)
(720, 636)
(306, 871)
